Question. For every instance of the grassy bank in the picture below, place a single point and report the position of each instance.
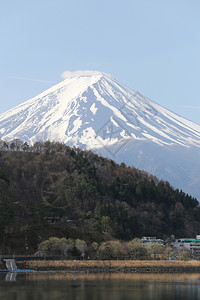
(111, 264)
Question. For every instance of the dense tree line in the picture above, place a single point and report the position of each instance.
(115, 249)
(49, 189)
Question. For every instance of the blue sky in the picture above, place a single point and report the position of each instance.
(152, 46)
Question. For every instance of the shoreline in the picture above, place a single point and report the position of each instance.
(107, 266)
(115, 266)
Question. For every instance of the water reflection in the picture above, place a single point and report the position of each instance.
(55, 286)
(116, 276)
(10, 276)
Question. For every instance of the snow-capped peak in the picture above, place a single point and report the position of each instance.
(92, 110)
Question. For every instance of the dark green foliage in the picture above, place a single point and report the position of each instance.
(50, 189)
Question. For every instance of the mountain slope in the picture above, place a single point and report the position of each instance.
(75, 193)
(93, 110)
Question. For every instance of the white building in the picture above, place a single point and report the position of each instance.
(188, 243)
(148, 239)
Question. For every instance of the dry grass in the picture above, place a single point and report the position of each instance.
(111, 264)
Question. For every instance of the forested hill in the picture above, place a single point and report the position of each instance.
(51, 189)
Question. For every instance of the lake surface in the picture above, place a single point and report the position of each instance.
(99, 286)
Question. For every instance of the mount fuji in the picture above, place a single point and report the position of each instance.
(92, 110)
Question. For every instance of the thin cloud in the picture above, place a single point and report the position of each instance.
(69, 74)
(30, 79)
(188, 106)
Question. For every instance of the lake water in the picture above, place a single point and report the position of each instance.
(99, 286)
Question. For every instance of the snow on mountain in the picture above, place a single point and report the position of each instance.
(92, 110)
